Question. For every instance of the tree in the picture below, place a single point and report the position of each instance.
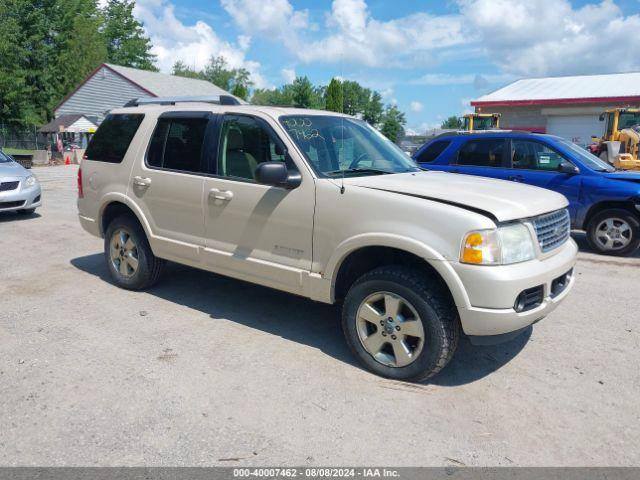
(302, 92)
(355, 97)
(393, 122)
(277, 97)
(452, 122)
(127, 45)
(234, 80)
(373, 110)
(334, 99)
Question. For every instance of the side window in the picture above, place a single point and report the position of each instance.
(244, 143)
(534, 156)
(486, 152)
(432, 151)
(176, 144)
(111, 142)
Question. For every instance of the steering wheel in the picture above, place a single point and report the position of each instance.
(356, 161)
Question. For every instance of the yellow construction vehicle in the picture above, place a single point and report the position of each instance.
(619, 144)
(481, 121)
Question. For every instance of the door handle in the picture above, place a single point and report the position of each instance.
(516, 178)
(225, 195)
(141, 182)
(455, 170)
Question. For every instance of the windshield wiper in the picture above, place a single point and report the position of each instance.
(358, 170)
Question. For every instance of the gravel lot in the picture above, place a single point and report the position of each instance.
(205, 370)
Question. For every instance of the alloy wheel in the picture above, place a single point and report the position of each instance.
(613, 234)
(123, 253)
(390, 329)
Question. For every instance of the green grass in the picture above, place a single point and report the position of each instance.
(17, 151)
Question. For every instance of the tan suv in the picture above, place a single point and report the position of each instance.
(323, 206)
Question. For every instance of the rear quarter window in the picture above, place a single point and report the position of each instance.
(111, 142)
(432, 151)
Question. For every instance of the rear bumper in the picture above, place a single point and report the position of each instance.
(493, 291)
(90, 225)
(21, 198)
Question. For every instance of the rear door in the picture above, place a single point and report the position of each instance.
(485, 157)
(536, 163)
(167, 184)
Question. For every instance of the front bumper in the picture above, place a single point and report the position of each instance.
(493, 291)
(21, 198)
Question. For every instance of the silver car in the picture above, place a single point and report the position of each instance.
(19, 188)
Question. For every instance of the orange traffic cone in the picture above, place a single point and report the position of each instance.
(67, 161)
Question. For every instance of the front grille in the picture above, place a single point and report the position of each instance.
(552, 229)
(529, 299)
(11, 204)
(6, 186)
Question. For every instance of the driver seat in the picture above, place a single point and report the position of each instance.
(238, 162)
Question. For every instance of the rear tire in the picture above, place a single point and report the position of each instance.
(128, 254)
(614, 232)
(400, 324)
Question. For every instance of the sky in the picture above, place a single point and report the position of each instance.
(428, 57)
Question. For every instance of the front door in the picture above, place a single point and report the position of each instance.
(535, 163)
(485, 157)
(167, 185)
(257, 232)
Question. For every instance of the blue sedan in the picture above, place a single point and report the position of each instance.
(603, 202)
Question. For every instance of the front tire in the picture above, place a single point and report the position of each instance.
(131, 262)
(614, 232)
(400, 324)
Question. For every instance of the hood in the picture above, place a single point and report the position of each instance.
(498, 199)
(12, 169)
(628, 176)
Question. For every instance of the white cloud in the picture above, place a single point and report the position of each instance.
(479, 81)
(354, 36)
(551, 38)
(269, 17)
(193, 44)
(416, 106)
(288, 75)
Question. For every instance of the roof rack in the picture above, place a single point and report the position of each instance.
(217, 100)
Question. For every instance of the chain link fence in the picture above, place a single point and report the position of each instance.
(27, 138)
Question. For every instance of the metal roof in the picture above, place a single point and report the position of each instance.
(164, 85)
(620, 87)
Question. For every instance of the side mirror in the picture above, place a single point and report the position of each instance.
(276, 174)
(568, 167)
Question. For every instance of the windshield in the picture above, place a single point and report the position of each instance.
(4, 158)
(628, 120)
(336, 146)
(589, 159)
(483, 123)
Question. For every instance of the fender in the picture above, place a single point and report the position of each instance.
(121, 198)
(430, 255)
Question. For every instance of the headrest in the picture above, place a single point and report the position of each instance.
(235, 139)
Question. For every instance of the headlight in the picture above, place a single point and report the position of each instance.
(30, 181)
(500, 246)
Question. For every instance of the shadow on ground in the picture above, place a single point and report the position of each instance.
(583, 245)
(295, 318)
(16, 217)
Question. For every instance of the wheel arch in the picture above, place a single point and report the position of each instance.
(596, 208)
(115, 206)
(359, 257)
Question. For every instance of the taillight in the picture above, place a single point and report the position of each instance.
(80, 191)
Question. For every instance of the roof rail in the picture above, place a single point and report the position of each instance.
(216, 99)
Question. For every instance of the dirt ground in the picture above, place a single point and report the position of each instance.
(205, 370)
